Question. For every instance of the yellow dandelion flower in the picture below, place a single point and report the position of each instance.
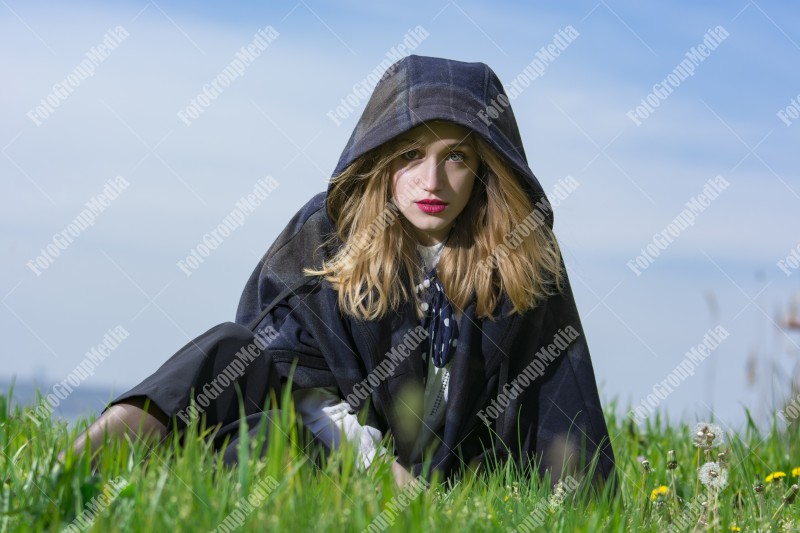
(734, 527)
(775, 475)
(796, 471)
(658, 491)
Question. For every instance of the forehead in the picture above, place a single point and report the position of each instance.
(438, 131)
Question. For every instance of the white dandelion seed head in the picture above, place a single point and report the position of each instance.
(713, 475)
(708, 435)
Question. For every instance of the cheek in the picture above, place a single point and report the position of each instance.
(396, 180)
(403, 181)
(465, 187)
(402, 188)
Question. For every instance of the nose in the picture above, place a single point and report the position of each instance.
(431, 173)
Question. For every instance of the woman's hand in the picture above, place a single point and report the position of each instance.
(401, 475)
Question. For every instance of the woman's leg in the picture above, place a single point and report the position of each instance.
(136, 417)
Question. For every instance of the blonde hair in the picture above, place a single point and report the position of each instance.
(500, 242)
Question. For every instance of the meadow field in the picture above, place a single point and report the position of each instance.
(686, 477)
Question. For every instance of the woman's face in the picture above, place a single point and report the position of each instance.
(432, 184)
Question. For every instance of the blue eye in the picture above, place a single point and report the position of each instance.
(457, 156)
(411, 154)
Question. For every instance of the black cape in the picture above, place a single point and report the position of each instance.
(555, 414)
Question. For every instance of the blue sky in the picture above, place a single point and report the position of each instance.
(272, 121)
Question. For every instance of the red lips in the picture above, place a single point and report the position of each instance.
(431, 207)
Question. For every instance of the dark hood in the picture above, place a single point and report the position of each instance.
(418, 89)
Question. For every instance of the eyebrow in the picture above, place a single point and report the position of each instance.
(463, 143)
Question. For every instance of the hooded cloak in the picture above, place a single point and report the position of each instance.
(522, 387)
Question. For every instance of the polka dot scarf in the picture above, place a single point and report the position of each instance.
(439, 321)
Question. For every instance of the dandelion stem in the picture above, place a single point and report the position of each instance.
(778, 510)
(672, 464)
(760, 508)
(674, 496)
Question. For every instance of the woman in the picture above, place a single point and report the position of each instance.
(424, 291)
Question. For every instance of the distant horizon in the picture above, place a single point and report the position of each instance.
(89, 400)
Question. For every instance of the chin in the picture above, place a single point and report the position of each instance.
(437, 229)
(430, 227)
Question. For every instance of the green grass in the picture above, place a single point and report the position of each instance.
(174, 487)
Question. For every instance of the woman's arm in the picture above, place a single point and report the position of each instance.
(326, 416)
